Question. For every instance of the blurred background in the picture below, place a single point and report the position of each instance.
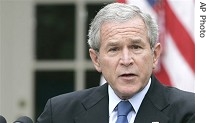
(44, 51)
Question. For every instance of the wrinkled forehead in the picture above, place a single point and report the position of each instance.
(134, 26)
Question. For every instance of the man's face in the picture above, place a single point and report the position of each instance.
(125, 57)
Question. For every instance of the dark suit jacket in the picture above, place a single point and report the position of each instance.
(161, 104)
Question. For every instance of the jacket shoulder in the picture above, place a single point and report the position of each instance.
(176, 95)
(72, 97)
(67, 106)
(182, 105)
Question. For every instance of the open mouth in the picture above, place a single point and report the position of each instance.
(127, 75)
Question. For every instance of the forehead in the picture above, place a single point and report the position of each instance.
(136, 21)
(131, 28)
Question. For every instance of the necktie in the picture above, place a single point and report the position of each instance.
(123, 108)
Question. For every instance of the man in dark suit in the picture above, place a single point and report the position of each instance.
(124, 47)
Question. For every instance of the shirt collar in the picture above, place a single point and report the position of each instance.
(136, 100)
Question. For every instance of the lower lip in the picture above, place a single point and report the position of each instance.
(127, 78)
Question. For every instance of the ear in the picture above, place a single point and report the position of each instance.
(156, 54)
(94, 55)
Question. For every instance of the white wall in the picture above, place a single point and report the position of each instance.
(16, 58)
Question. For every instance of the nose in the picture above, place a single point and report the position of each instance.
(126, 58)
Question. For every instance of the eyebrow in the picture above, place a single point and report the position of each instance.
(113, 43)
(136, 40)
(133, 41)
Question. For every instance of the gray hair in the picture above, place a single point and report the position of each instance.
(120, 12)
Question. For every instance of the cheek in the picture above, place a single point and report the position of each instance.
(108, 67)
(107, 64)
(146, 63)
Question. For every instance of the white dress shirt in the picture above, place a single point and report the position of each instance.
(135, 102)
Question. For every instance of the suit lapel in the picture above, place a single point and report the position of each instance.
(153, 104)
(96, 107)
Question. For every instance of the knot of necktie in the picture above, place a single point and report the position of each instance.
(123, 108)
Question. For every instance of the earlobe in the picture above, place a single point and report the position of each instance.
(95, 59)
(156, 54)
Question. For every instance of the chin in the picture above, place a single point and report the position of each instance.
(127, 94)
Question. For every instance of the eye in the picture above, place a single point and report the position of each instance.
(136, 47)
(113, 49)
